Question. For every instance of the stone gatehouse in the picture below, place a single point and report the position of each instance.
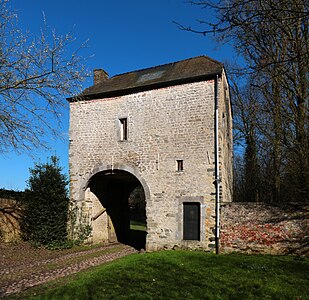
(151, 155)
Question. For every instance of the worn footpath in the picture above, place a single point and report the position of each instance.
(22, 267)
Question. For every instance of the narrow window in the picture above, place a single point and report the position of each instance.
(191, 221)
(179, 165)
(123, 129)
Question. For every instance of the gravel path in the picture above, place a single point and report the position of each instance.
(18, 278)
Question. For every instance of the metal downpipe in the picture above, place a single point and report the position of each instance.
(217, 174)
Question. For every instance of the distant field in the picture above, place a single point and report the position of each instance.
(136, 225)
(185, 275)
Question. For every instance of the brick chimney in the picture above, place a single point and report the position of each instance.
(99, 76)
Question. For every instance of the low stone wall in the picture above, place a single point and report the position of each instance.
(10, 213)
(262, 228)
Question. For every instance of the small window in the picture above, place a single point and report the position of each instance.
(179, 165)
(123, 129)
(191, 221)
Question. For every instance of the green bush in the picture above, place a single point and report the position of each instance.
(11, 194)
(46, 204)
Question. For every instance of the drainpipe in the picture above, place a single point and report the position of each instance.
(217, 175)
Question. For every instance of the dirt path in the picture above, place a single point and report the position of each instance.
(22, 266)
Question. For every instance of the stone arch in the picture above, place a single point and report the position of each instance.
(105, 167)
(115, 189)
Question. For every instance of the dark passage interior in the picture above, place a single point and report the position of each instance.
(123, 196)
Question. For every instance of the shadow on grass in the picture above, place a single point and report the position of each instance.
(190, 275)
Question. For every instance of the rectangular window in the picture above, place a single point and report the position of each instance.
(123, 129)
(179, 165)
(191, 221)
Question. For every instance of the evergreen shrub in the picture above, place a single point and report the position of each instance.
(46, 205)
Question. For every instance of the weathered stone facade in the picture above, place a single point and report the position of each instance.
(168, 149)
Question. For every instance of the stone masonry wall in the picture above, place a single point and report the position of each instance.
(225, 142)
(164, 125)
(99, 221)
(262, 228)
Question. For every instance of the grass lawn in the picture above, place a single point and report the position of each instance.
(136, 225)
(185, 275)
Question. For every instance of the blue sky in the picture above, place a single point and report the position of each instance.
(123, 36)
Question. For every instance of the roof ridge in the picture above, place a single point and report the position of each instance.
(166, 64)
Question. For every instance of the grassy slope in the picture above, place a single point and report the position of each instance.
(188, 275)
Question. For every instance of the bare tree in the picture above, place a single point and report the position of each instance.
(246, 109)
(272, 38)
(36, 74)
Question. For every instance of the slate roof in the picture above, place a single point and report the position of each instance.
(189, 70)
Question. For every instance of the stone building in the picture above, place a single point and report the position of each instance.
(151, 155)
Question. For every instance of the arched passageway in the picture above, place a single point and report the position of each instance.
(123, 197)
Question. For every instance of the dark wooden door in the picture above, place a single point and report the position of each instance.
(191, 221)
